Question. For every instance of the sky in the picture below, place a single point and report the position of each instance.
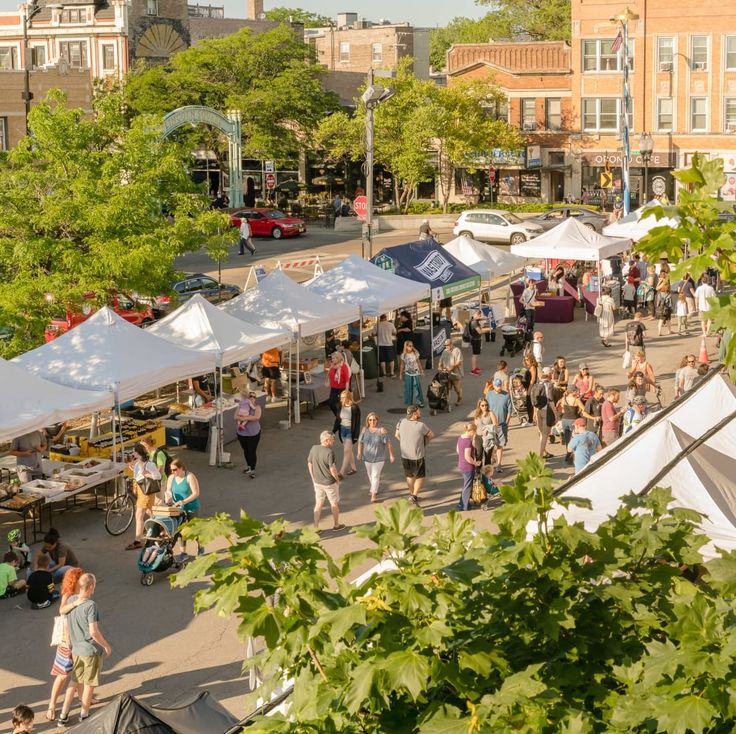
(418, 12)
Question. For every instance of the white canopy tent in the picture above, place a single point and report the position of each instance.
(28, 403)
(488, 261)
(571, 240)
(198, 324)
(277, 302)
(360, 283)
(638, 223)
(106, 352)
(690, 447)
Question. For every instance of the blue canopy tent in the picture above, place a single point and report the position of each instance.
(425, 261)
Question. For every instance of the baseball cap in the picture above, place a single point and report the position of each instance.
(580, 422)
(546, 370)
(584, 366)
(639, 400)
(498, 382)
(13, 536)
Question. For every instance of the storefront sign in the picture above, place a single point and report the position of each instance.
(659, 185)
(614, 160)
(530, 184)
(534, 156)
(496, 157)
(435, 267)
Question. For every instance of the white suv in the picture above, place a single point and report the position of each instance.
(492, 225)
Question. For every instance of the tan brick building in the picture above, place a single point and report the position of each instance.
(536, 80)
(683, 88)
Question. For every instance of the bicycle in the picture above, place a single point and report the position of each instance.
(121, 511)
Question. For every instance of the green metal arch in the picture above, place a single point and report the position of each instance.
(228, 124)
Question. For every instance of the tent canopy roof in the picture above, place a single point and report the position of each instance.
(198, 324)
(486, 260)
(106, 351)
(638, 223)
(427, 262)
(571, 240)
(30, 402)
(277, 302)
(361, 283)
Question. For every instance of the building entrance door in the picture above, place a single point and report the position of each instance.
(556, 186)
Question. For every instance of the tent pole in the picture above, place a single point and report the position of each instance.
(361, 384)
(219, 406)
(288, 387)
(431, 333)
(297, 409)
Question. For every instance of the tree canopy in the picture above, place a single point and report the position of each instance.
(90, 204)
(460, 30)
(479, 631)
(298, 15)
(272, 78)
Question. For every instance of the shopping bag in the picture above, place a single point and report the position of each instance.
(57, 634)
(478, 493)
(626, 360)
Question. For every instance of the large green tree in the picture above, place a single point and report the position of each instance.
(272, 78)
(297, 15)
(90, 204)
(537, 20)
(460, 30)
(484, 632)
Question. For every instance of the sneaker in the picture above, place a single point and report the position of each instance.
(252, 474)
(200, 551)
(62, 721)
(339, 526)
(82, 717)
(42, 605)
(246, 470)
(413, 499)
(181, 559)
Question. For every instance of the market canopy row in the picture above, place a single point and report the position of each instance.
(486, 260)
(638, 223)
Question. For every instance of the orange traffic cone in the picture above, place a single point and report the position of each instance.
(703, 356)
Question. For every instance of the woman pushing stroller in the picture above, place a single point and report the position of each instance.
(182, 490)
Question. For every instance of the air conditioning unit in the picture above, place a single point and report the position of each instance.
(698, 66)
(665, 66)
(731, 127)
(529, 126)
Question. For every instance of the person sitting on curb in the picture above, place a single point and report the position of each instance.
(10, 584)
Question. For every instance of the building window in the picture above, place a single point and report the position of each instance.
(8, 58)
(729, 114)
(553, 115)
(603, 113)
(664, 113)
(699, 53)
(731, 53)
(599, 56)
(377, 53)
(344, 52)
(665, 53)
(698, 114)
(151, 7)
(74, 15)
(75, 53)
(528, 114)
(38, 56)
(3, 133)
(108, 57)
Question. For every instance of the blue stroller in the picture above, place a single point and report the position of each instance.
(157, 555)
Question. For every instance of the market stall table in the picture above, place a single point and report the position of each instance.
(313, 393)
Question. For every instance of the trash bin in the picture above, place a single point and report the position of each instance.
(370, 360)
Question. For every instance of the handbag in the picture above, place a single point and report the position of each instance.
(354, 366)
(627, 360)
(598, 310)
(478, 493)
(150, 486)
(58, 634)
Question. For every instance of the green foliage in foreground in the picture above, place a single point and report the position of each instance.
(569, 631)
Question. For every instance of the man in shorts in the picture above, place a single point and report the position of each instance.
(386, 334)
(475, 334)
(499, 403)
(270, 366)
(413, 436)
(326, 480)
(87, 645)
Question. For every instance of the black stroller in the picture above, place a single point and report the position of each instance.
(438, 393)
(157, 555)
(514, 337)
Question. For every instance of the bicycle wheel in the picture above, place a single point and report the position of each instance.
(119, 514)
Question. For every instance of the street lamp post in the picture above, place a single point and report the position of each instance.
(646, 147)
(623, 19)
(29, 10)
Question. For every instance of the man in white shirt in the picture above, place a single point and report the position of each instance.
(528, 296)
(386, 334)
(245, 237)
(451, 362)
(704, 292)
(538, 348)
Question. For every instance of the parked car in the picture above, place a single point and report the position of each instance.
(493, 225)
(185, 288)
(553, 217)
(136, 313)
(265, 222)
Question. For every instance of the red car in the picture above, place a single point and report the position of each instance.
(265, 222)
(135, 313)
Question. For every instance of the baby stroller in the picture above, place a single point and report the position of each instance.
(438, 393)
(514, 337)
(518, 397)
(162, 532)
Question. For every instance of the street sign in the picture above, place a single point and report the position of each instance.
(270, 181)
(268, 166)
(606, 180)
(360, 207)
(491, 174)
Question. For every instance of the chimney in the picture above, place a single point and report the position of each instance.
(255, 9)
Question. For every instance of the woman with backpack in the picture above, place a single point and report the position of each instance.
(159, 457)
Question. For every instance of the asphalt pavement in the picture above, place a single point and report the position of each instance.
(161, 650)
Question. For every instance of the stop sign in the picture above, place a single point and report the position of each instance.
(270, 181)
(491, 174)
(360, 206)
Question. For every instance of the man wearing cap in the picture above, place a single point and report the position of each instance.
(499, 403)
(413, 436)
(583, 445)
(451, 362)
(635, 414)
(544, 409)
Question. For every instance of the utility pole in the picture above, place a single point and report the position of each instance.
(368, 224)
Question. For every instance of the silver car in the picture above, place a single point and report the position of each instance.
(495, 225)
(553, 217)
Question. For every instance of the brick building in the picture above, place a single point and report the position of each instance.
(683, 88)
(535, 79)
